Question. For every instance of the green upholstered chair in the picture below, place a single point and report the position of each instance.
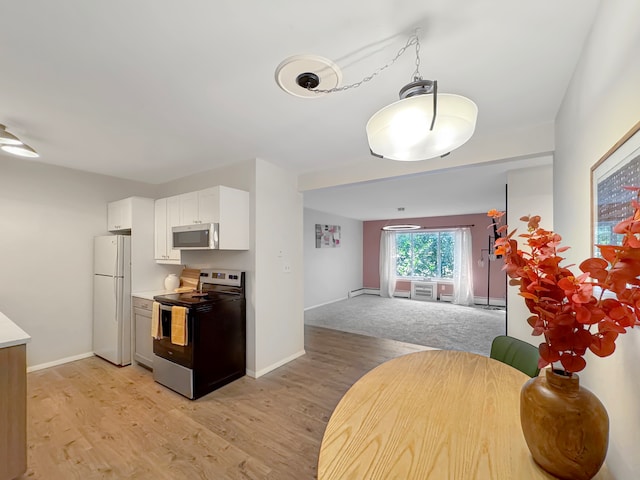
(515, 352)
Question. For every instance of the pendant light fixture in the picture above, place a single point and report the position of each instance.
(7, 138)
(401, 228)
(20, 150)
(423, 124)
(13, 145)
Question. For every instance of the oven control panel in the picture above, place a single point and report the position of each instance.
(219, 276)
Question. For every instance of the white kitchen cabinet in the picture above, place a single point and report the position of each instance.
(226, 206)
(120, 215)
(199, 207)
(167, 215)
(208, 204)
(134, 216)
(143, 344)
(230, 209)
(189, 208)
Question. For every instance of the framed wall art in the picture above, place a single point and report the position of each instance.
(327, 236)
(610, 201)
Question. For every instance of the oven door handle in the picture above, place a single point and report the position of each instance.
(166, 308)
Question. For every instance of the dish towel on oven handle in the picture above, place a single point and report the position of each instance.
(156, 328)
(179, 334)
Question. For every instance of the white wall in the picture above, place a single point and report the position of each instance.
(529, 192)
(48, 218)
(602, 103)
(279, 320)
(330, 273)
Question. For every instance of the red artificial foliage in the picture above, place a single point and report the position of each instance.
(565, 310)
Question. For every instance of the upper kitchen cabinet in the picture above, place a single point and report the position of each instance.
(134, 216)
(202, 206)
(167, 215)
(229, 208)
(226, 206)
(189, 208)
(130, 214)
(120, 215)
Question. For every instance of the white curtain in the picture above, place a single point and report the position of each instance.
(387, 264)
(462, 268)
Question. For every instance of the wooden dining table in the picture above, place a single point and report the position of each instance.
(436, 414)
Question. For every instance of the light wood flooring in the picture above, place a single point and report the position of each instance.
(91, 420)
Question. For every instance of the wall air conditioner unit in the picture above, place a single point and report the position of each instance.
(424, 291)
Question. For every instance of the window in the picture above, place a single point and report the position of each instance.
(425, 254)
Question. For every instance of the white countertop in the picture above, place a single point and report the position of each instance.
(149, 295)
(10, 333)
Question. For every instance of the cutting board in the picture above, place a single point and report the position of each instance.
(189, 278)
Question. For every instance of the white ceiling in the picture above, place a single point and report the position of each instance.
(154, 90)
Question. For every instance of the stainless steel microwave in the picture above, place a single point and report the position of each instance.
(200, 236)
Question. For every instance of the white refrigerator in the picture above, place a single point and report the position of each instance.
(112, 298)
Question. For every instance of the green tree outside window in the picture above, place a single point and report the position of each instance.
(425, 254)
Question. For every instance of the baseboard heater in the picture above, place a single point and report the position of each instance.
(425, 291)
(497, 302)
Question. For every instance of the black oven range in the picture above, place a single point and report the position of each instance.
(214, 353)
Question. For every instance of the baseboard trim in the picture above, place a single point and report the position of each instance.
(325, 303)
(55, 363)
(273, 366)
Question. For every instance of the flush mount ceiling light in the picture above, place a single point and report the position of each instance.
(423, 124)
(13, 145)
(395, 228)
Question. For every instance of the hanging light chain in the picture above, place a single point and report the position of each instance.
(416, 74)
(412, 40)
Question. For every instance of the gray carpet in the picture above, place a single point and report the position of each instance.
(433, 324)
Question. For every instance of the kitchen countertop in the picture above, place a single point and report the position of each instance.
(149, 295)
(10, 333)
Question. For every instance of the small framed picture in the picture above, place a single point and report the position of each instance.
(327, 236)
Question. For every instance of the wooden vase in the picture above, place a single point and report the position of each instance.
(565, 426)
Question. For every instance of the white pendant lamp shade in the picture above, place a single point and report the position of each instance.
(7, 138)
(20, 150)
(402, 130)
(13, 145)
